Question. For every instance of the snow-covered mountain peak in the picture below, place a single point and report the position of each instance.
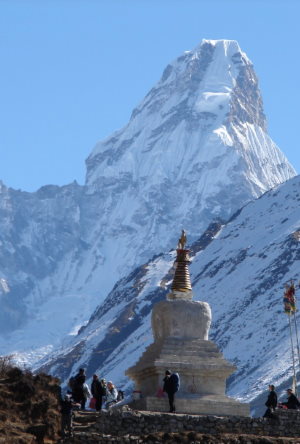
(227, 46)
(194, 93)
(206, 108)
(214, 64)
(195, 150)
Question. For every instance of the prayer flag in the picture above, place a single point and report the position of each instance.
(289, 299)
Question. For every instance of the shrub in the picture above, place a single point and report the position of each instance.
(6, 364)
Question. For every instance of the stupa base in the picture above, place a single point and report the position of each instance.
(195, 405)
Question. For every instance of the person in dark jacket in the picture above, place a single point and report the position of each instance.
(78, 388)
(171, 386)
(98, 391)
(66, 409)
(292, 401)
(271, 402)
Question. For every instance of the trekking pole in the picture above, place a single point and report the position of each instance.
(296, 329)
(293, 356)
(297, 339)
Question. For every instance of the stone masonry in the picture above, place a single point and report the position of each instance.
(125, 423)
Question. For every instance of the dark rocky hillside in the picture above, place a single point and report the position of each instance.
(29, 406)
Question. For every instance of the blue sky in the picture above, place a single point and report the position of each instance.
(72, 71)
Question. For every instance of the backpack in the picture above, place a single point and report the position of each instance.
(71, 383)
(103, 389)
(66, 406)
(120, 396)
(175, 381)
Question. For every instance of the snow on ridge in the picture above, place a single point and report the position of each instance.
(193, 97)
(241, 273)
(230, 47)
(217, 78)
(238, 265)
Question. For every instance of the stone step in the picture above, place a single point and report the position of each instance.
(86, 417)
(97, 438)
(82, 428)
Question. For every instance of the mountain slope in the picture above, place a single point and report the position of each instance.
(194, 150)
(240, 268)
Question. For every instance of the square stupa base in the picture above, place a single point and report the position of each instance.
(195, 405)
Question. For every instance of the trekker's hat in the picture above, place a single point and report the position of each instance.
(168, 372)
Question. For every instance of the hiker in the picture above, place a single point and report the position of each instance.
(98, 389)
(271, 402)
(66, 410)
(86, 395)
(171, 386)
(78, 389)
(111, 394)
(292, 401)
(104, 386)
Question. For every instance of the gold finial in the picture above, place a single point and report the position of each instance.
(181, 286)
(181, 241)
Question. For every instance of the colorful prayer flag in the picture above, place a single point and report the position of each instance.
(289, 299)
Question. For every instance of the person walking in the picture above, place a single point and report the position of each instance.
(78, 388)
(66, 409)
(111, 395)
(171, 386)
(292, 401)
(86, 395)
(271, 402)
(98, 391)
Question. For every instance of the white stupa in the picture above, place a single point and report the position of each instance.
(180, 329)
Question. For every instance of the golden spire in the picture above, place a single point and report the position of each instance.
(181, 286)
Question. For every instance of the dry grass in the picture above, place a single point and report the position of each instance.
(29, 406)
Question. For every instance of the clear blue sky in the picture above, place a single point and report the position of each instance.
(73, 70)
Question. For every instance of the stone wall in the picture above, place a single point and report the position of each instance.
(120, 422)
